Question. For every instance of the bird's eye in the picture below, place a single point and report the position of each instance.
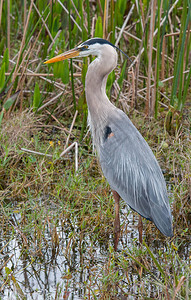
(83, 47)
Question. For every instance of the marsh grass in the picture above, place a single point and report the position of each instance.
(54, 215)
(57, 225)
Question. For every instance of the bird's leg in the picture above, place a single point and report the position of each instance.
(117, 220)
(140, 229)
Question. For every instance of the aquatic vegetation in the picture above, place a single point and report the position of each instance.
(56, 224)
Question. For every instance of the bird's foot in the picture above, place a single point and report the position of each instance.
(140, 229)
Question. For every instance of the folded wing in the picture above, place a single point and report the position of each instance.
(132, 170)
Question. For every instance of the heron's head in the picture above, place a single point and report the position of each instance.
(92, 46)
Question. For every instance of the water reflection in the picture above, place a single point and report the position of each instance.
(48, 272)
(68, 269)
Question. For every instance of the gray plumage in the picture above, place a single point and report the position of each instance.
(126, 159)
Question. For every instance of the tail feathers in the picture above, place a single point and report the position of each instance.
(162, 219)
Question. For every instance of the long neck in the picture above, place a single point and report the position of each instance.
(96, 79)
(99, 106)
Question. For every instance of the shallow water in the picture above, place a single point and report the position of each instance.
(73, 269)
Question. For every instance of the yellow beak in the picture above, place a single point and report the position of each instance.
(68, 54)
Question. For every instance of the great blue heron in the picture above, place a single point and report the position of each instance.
(126, 160)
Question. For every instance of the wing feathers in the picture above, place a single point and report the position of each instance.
(132, 170)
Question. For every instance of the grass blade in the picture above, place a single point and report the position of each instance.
(180, 56)
(36, 97)
(155, 260)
